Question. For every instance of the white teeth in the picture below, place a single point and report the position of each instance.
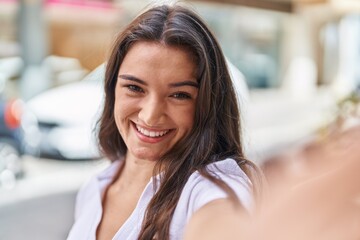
(151, 133)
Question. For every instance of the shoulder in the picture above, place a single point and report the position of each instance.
(219, 219)
(200, 190)
(210, 207)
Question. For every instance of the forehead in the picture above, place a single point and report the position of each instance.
(157, 60)
(150, 50)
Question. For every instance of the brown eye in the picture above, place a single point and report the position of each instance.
(181, 96)
(134, 88)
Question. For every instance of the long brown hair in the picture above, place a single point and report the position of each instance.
(216, 135)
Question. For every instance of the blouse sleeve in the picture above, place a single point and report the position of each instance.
(199, 191)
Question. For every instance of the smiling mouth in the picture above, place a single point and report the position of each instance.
(151, 134)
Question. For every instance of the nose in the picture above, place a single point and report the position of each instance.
(152, 111)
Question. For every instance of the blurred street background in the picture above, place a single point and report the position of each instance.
(296, 68)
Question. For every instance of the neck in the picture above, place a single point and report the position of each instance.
(135, 172)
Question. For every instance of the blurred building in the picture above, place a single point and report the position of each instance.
(267, 40)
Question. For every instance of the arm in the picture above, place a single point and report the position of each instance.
(322, 206)
(318, 210)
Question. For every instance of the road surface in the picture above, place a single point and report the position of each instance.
(41, 205)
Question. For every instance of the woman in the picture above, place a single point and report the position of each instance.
(170, 125)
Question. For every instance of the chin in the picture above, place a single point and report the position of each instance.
(146, 155)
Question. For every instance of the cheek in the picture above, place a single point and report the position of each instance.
(118, 117)
(123, 106)
(186, 118)
(121, 110)
(118, 112)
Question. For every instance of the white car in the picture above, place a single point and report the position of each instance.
(67, 115)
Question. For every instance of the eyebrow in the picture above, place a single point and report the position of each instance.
(132, 78)
(177, 84)
(185, 83)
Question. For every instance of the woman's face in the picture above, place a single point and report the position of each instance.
(155, 99)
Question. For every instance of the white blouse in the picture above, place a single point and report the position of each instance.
(197, 192)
